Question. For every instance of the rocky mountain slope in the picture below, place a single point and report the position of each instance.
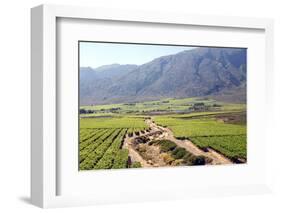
(196, 72)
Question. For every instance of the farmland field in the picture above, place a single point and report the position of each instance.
(200, 127)
(232, 146)
(168, 105)
(101, 141)
(106, 129)
(207, 131)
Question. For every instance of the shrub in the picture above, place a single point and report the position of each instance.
(166, 145)
(136, 165)
(193, 160)
(199, 160)
(188, 159)
(141, 139)
(199, 104)
(150, 143)
(216, 105)
(179, 153)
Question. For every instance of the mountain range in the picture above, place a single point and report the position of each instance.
(204, 71)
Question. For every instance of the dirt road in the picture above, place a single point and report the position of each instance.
(216, 157)
(134, 155)
(160, 133)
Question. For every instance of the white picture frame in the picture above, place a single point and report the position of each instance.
(44, 82)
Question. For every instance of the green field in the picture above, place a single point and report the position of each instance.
(206, 122)
(169, 105)
(102, 150)
(113, 122)
(186, 128)
(232, 146)
(101, 140)
(204, 130)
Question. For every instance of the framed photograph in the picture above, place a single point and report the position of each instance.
(148, 105)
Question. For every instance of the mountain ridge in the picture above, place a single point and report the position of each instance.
(196, 72)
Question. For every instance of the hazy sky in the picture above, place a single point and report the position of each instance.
(98, 54)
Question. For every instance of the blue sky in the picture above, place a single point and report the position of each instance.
(98, 54)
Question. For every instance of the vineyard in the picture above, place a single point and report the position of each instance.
(101, 141)
(135, 135)
(232, 146)
(199, 127)
(113, 122)
(207, 132)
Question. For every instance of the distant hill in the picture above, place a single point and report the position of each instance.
(218, 72)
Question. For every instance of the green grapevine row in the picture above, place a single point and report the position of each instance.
(96, 154)
(90, 148)
(108, 158)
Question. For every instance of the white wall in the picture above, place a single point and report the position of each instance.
(15, 98)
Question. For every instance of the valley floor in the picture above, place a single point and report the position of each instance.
(160, 133)
(165, 133)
